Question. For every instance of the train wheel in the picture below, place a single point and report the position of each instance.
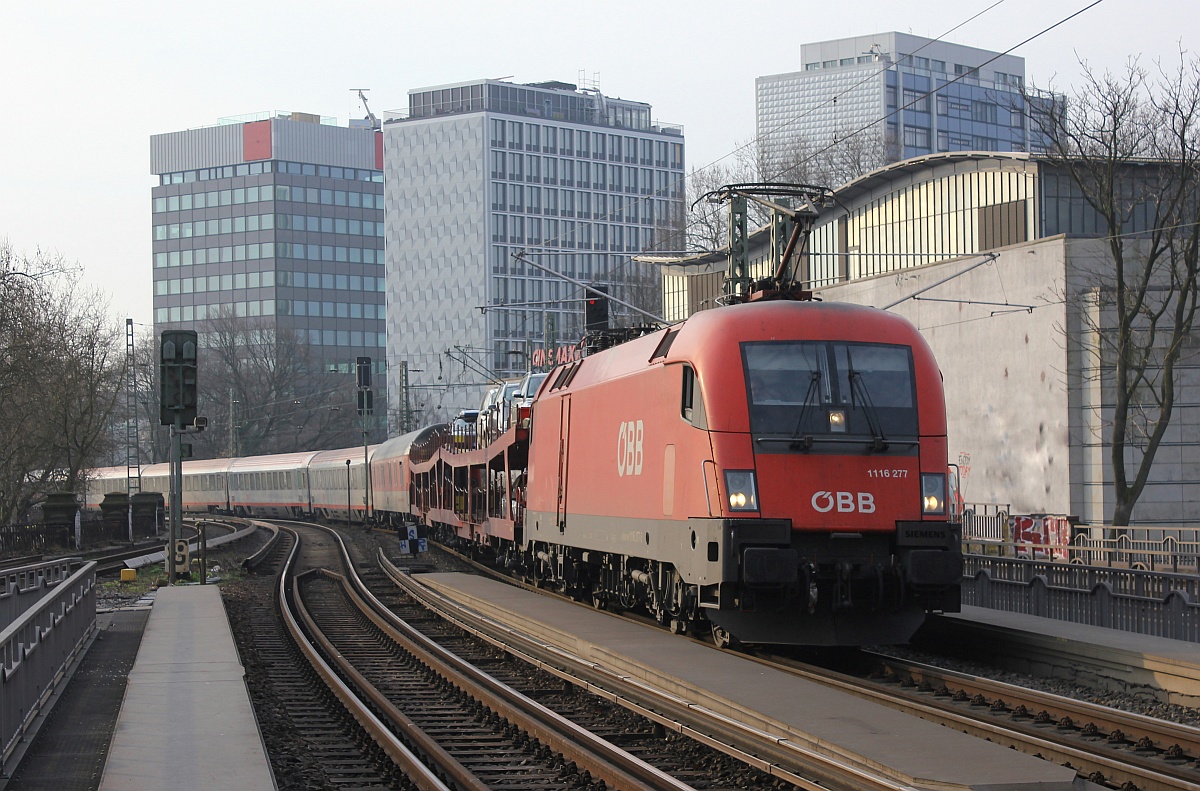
(597, 600)
(678, 626)
(721, 637)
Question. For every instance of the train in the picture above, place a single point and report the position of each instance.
(772, 472)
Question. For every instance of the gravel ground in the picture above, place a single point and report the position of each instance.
(224, 565)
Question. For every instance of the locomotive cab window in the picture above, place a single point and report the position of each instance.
(831, 390)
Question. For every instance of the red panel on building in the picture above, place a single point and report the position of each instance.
(256, 141)
(379, 150)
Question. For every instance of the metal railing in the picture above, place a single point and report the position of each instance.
(1141, 579)
(37, 648)
(49, 538)
(986, 522)
(1154, 603)
(22, 587)
(1056, 537)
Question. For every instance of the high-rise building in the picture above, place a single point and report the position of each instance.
(911, 95)
(477, 172)
(276, 219)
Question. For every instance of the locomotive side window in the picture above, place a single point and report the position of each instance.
(691, 402)
(809, 390)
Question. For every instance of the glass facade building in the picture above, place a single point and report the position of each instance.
(487, 181)
(911, 95)
(278, 219)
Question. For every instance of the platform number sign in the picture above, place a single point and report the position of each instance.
(180, 558)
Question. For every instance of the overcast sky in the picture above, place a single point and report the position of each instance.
(85, 84)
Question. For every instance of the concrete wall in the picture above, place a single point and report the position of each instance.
(1029, 405)
(996, 330)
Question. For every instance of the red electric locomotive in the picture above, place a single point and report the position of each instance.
(776, 469)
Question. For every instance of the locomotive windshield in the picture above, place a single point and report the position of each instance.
(815, 390)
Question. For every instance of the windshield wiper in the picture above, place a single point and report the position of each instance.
(806, 439)
(859, 389)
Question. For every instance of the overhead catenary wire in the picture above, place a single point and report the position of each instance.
(619, 210)
(677, 186)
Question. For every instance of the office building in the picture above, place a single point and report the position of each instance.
(912, 96)
(277, 220)
(478, 172)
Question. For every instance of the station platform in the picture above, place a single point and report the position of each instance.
(1154, 667)
(837, 724)
(186, 721)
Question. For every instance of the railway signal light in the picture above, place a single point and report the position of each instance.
(595, 311)
(362, 368)
(177, 377)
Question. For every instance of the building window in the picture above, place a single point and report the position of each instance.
(916, 100)
(916, 137)
(983, 111)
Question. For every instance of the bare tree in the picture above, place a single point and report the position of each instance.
(60, 374)
(264, 391)
(86, 376)
(707, 223)
(795, 160)
(850, 154)
(1129, 147)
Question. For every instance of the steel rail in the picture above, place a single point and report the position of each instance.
(1141, 771)
(1032, 741)
(1146, 735)
(421, 775)
(602, 759)
(437, 754)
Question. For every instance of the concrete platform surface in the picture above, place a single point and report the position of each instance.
(834, 723)
(186, 721)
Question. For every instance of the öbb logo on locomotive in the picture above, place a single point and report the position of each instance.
(629, 448)
(846, 502)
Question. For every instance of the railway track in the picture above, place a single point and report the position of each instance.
(424, 705)
(1117, 748)
(387, 665)
(779, 760)
(1106, 746)
(313, 742)
(108, 563)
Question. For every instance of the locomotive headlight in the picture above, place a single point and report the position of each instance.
(740, 486)
(933, 493)
(837, 421)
